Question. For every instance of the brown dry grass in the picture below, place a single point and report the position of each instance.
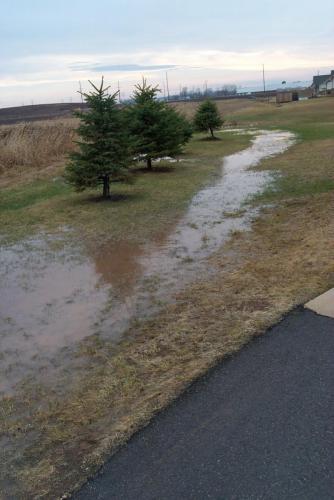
(226, 107)
(284, 261)
(36, 150)
(38, 144)
(27, 148)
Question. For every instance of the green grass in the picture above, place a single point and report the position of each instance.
(137, 211)
(314, 132)
(292, 186)
(311, 120)
(306, 170)
(284, 261)
(142, 210)
(32, 194)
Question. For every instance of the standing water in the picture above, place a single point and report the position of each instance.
(50, 298)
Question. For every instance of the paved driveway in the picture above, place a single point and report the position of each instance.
(259, 426)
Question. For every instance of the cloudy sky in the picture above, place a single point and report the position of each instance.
(47, 47)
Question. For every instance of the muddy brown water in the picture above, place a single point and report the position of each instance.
(53, 294)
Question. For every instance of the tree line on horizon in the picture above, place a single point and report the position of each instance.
(112, 137)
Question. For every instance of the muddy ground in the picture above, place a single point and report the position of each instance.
(55, 295)
(74, 391)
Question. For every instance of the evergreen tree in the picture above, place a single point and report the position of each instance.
(157, 129)
(104, 152)
(208, 118)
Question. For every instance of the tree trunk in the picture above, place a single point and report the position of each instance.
(211, 130)
(149, 163)
(106, 186)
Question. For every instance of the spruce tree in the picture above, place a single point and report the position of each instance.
(104, 153)
(157, 130)
(208, 118)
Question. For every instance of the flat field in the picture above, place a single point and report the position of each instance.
(56, 433)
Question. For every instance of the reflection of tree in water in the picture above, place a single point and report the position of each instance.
(51, 298)
(122, 263)
(119, 263)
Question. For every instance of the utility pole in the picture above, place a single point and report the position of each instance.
(264, 84)
(167, 86)
(264, 80)
(80, 87)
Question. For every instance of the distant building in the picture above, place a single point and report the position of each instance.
(330, 84)
(283, 96)
(323, 84)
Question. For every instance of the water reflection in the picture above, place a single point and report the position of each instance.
(53, 298)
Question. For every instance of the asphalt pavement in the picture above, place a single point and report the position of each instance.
(258, 426)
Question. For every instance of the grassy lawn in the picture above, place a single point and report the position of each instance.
(258, 277)
(305, 170)
(311, 119)
(136, 211)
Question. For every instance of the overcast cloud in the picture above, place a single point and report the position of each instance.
(46, 47)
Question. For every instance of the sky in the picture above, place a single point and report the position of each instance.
(47, 47)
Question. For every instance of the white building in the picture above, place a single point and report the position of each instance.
(323, 83)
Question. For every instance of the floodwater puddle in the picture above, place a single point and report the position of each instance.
(54, 295)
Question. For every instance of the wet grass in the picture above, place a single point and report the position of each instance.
(311, 119)
(258, 276)
(292, 186)
(38, 192)
(135, 211)
(306, 169)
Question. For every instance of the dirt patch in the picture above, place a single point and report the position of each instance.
(17, 114)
